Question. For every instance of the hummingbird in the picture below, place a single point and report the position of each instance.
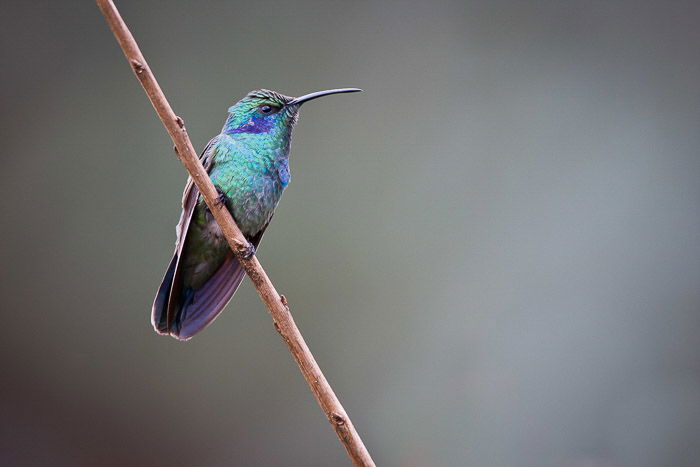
(248, 163)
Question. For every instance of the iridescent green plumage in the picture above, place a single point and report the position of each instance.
(249, 164)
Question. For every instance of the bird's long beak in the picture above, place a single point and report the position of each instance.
(315, 95)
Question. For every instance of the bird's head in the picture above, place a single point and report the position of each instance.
(264, 112)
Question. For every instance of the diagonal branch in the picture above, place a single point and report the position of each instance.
(276, 304)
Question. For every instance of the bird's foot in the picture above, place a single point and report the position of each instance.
(247, 252)
(222, 198)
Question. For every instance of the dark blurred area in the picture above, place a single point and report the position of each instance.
(493, 252)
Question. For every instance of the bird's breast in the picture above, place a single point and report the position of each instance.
(253, 188)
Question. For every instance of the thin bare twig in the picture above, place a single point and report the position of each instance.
(282, 318)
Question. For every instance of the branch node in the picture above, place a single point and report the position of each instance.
(283, 299)
(180, 122)
(337, 419)
(137, 66)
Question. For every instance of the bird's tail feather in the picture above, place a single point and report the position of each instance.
(205, 304)
(159, 315)
(191, 311)
(196, 309)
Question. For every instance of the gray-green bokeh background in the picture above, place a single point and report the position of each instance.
(493, 252)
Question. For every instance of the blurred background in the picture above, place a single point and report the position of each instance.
(493, 252)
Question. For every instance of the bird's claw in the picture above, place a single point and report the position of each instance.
(247, 252)
(221, 198)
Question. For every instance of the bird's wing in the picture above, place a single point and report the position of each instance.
(190, 194)
(159, 314)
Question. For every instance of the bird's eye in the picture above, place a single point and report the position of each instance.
(266, 109)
